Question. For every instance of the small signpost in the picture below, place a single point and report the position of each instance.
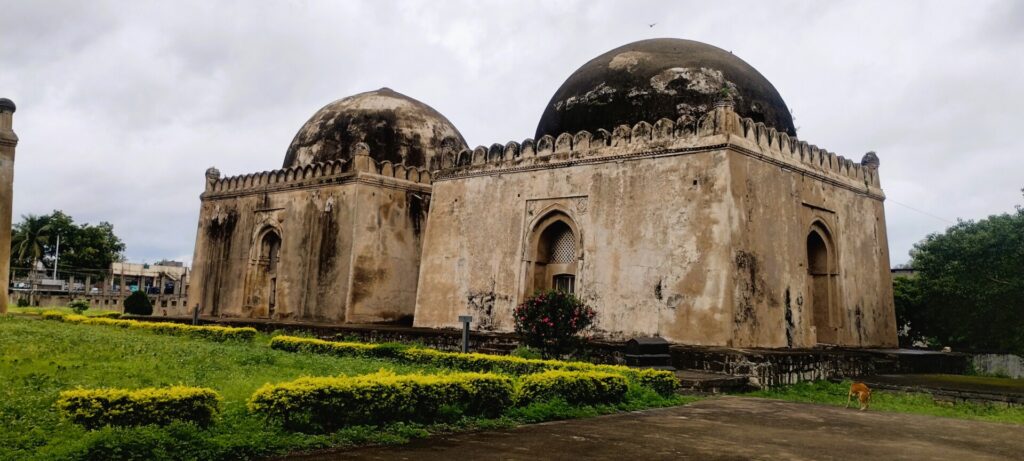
(465, 319)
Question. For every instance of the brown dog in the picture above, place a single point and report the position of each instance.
(863, 393)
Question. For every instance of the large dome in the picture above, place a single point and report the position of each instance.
(397, 128)
(660, 78)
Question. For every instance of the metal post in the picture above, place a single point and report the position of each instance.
(56, 258)
(195, 315)
(465, 319)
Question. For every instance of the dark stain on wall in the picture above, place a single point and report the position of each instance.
(746, 290)
(789, 320)
(365, 278)
(858, 320)
(328, 248)
(419, 205)
(218, 249)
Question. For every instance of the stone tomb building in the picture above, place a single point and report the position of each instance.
(665, 187)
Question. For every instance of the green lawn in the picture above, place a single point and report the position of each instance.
(38, 359)
(829, 393)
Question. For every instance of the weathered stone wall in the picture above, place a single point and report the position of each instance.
(163, 305)
(775, 209)
(1008, 365)
(349, 244)
(654, 231)
(696, 231)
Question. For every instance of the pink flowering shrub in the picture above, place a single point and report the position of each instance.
(551, 321)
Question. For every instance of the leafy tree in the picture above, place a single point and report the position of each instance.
(551, 321)
(29, 239)
(138, 303)
(968, 291)
(86, 249)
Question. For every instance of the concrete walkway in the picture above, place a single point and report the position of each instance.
(727, 428)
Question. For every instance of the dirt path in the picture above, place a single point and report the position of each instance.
(728, 428)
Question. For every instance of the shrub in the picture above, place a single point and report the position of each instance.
(526, 352)
(94, 408)
(108, 315)
(23, 302)
(663, 382)
(324, 404)
(215, 333)
(576, 387)
(52, 315)
(138, 303)
(551, 321)
(79, 305)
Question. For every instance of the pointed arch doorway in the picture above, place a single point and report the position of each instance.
(552, 254)
(261, 279)
(823, 284)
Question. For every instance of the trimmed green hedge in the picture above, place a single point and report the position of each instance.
(663, 382)
(324, 404)
(576, 387)
(94, 408)
(215, 333)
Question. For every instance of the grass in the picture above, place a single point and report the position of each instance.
(969, 381)
(829, 393)
(38, 359)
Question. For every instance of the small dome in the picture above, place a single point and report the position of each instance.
(396, 128)
(7, 105)
(660, 78)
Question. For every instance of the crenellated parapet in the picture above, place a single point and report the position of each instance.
(361, 165)
(719, 128)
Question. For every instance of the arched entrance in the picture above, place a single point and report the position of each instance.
(261, 280)
(552, 255)
(822, 283)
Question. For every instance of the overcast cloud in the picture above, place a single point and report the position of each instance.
(123, 105)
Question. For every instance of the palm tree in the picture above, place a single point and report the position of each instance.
(28, 244)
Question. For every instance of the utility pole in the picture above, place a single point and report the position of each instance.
(56, 258)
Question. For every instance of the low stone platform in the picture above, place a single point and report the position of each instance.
(955, 388)
(758, 367)
(776, 367)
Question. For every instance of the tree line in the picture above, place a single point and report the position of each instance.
(85, 248)
(967, 290)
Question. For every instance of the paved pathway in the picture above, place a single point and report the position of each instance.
(728, 428)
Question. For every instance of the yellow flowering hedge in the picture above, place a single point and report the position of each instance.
(215, 333)
(94, 408)
(52, 315)
(109, 315)
(326, 403)
(663, 382)
(576, 387)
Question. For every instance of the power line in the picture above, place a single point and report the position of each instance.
(940, 218)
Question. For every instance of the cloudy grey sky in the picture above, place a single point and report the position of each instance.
(123, 105)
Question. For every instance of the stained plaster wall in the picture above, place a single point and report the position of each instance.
(775, 209)
(349, 246)
(692, 230)
(654, 232)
